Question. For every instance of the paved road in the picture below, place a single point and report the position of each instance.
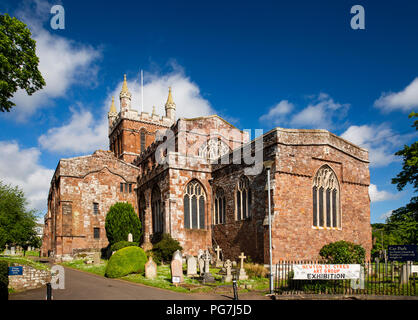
(80, 285)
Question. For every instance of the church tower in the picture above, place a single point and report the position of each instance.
(130, 132)
(170, 107)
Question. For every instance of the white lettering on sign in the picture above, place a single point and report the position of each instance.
(326, 271)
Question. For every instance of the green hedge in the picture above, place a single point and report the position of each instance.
(164, 249)
(4, 280)
(343, 252)
(122, 244)
(125, 261)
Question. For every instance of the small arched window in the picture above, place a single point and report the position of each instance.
(325, 199)
(157, 212)
(194, 206)
(219, 207)
(243, 199)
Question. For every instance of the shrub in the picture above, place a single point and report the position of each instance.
(164, 249)
(120, 221)
(122, 244)
(343, 252)
(255, 270)
(4, 280)
(125, 261)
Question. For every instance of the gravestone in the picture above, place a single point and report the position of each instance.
(177, 256)
(191, 266)
(218, 257)
(96, 258)
(200, 254)
(13, 251)
(201, 266)
(176, 271)
(228, 267)
(130, 238)
(242, 274)
(7, 251)
(207, 276)
(150, 269)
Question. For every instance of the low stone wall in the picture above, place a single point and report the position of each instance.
(30, 279)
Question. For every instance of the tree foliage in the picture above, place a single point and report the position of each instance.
(120, 221)
(17, 224)
(343, 252)
(18, 61)
(164, 249)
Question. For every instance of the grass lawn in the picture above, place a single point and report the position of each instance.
(25, 261)
(163, 279)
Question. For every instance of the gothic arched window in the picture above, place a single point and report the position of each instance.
(243, 199)
(142, 140)
(194, 206)
(325, 199)
(157, 212)
(219, 207)
(213, 149)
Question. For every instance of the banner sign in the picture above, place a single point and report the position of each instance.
(407, 252)
(15, 271)
(326, 271)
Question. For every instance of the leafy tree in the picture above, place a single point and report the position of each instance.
(403, 222)
(164, 249)
(18, 61)
(343, 252)
(17, 224)
(120, 221)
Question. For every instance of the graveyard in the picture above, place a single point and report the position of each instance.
(190, 274)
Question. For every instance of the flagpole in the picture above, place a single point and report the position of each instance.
(142, 92)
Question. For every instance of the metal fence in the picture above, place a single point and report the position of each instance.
(377, 278)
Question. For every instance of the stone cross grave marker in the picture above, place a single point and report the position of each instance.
(176, 271)
(150, 269)
(191, 266)
(130, 238)
(228, 276)
(218, 257)
(242, 274)
(207, 276)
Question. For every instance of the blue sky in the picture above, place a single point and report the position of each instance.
(293, 64)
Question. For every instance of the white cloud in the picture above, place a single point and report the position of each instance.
(381, 141)
(320, 113)
(386, 215)
(62, 63)
(21, 167)
(82, 134)
(86, 133)
(376, 195)
(278, 113)
(405, 100)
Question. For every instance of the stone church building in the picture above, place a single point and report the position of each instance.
(205, 182)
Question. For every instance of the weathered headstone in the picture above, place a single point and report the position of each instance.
(150, 269)
(242, 274)
(13, 251)
(96, 258)
(200, 254)
(7, 251)
(191, 266)
(228, 267)
(176, 271)
(201, 266)
(130, 237)
(177, 256)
